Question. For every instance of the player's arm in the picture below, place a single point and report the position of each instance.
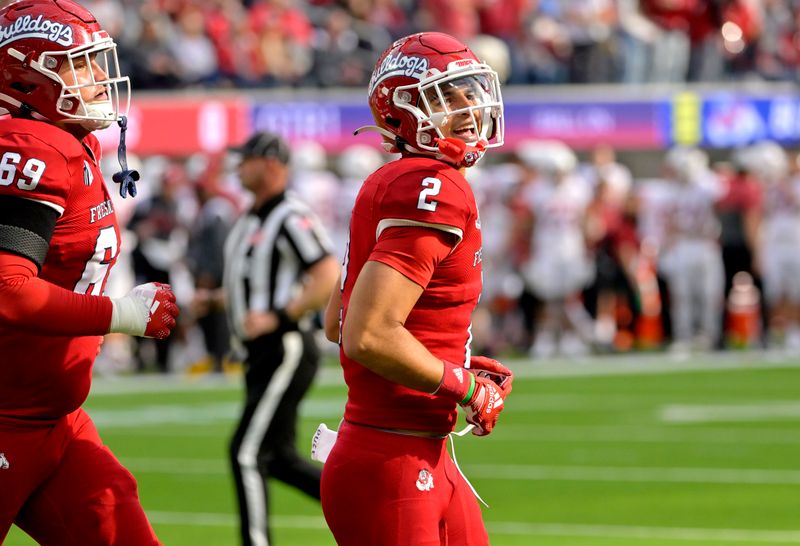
(374, 332)
(319, 282)
(332, 311)
(29, 302)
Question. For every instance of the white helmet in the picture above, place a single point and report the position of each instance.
(358, 161)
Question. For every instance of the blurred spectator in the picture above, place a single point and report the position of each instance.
(346, 49)
(205, 258)
(668, 52)
(458, 18)
(152, 61)
(161, 245)
(192, 49)
(591, 26)
(235, 42)
(328, 43)
(545, 49)
(283, 41)
(777, 52)
(382, 14)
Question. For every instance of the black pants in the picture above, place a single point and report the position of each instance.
(279, 371)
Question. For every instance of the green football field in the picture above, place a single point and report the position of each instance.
(640, 450)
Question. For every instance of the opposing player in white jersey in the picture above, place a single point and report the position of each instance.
(691, 260)
(559, 266)
(779, 240)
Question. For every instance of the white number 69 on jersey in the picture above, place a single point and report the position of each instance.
(33, 169)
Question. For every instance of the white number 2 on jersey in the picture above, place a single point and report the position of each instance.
(431, 188)
(95, 273)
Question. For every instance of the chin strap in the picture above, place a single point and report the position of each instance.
(126, 178)
(451, 150)
(458, 153)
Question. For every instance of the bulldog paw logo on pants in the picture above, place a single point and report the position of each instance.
(425, 480)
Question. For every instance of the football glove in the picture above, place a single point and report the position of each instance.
(481, 398)
(488, 367)
(484, 407)
(149, 310)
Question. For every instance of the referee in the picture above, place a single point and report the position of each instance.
(278, 270)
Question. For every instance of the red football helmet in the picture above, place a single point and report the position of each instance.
(37, 38)
(409, 94)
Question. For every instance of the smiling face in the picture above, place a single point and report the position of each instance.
(461, 101)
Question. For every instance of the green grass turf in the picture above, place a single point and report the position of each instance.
(609, 452)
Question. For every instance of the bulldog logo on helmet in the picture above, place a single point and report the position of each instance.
(399, 65)
(29, 27)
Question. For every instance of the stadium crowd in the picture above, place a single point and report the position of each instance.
(167, 44)
(581, 257)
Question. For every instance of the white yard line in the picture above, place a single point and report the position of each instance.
(199, 414)
(689, 534)
(645, 533)
(532, 434)
(755, 476)
(751, 411)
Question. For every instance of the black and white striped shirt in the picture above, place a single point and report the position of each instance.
(266, 255)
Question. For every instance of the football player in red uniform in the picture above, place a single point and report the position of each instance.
(411, 279)
(59, 237)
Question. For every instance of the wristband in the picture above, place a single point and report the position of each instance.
(457, 384)
(470, 391)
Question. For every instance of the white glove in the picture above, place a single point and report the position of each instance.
(148, 310)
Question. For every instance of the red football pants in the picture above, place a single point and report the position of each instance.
(385, 489)
(63, 487)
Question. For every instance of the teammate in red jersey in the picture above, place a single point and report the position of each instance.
(411, 280)
(59, 81)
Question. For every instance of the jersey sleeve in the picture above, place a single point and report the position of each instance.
(413, 251)
(26, 228)
(426, 199)
(306, 236)
(36, 170)
(30, 303)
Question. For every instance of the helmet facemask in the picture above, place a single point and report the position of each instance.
(70, 104)
(447, 96)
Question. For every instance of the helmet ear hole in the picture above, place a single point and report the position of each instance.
(22, 88)
(394, 122)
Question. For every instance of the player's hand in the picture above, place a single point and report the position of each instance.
(484, 407)
(488, 367)
(149, 310)
(481, 398)
(260, 323)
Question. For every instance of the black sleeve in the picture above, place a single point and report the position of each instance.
(26, 227)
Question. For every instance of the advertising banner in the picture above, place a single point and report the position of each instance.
(180, 126)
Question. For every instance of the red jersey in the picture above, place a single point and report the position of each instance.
(422, 192)
(46, 377)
